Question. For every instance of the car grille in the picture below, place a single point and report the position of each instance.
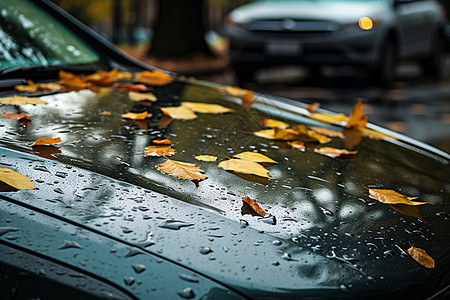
(306, 27)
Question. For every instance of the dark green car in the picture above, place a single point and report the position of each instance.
(107, 219)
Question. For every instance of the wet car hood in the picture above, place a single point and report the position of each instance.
(324, 238)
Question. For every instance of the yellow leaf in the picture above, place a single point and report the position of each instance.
(181, 170)
(246, 96)
(153, 78)
(139, 97)
(274, 124)
(179, 112)
(297, 145)
(333, 152)
(329, 118)
(16, 180)
(278, 134)
(206, 157)
(206, 108)
(421, 256)
(255, 157)
(306, 135)
(159, 150)
(136, 116)
(327, 132)
(357, 117)
(392, 197)
(46, 141)
(245, 167)
(19, 100)
(32, 87)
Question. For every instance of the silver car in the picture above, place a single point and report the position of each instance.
(374, 34)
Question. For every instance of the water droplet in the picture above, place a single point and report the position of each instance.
(41, 168)
(132, 252)
(138, 268)
(243, 223)
(269, 220)
(175, 225)
(186, 293)
(128, 280)
(126, 230)
(287, 256)
(58, 190)
(276, 243)
(275, 263)
(189, 278)
(61, 174)
(70, 244)
(205, 250)
(4, 230)
(326, 212)
(345, 288)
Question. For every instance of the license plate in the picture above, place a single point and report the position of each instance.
(284, 48)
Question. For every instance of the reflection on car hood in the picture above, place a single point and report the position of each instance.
(325, 236)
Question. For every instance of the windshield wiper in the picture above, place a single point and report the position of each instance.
(32, 71)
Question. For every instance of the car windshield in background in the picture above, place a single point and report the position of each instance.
(43, 41)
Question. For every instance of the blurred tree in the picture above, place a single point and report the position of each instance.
(446, 5)
(179, 30)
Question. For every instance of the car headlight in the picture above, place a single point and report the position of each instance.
(366, 23)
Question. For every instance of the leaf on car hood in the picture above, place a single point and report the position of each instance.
(287, 134)
(274, 124)
(331, 119)
(333, 152)
(16, 180)
(392, 197)
(297, 145)
(421, 256)
(206, 108)
(72, 80)
(159, 150)
(130, 87)
(255, 157)
(245, 167)
(32, 87)
(327, 132)
(253, 205)
(22, 118)
(357, 117)
(179, 112)
(137, 116)
(153, 78)
(47, 141)
(162, 142)
(19, 100)
(182, 170)
(142, 97)
(206, 157)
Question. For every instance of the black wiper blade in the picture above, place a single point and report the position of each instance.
(25, 71)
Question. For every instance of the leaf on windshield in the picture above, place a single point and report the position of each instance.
(312, 107)
(153, 78)
(137, 116)
(19, 100)
(421, 256)
(47, 141)
(179, 112)
(130, 87)
(142, 97)
(253, 205)
(245, 167)
(392, 197)
(255, 157)
(22, 118)
(333, 152)
(206, 108)
(331, 119)
(159, 150)
(182, 170)
(274, 124)
(162, 142)
(32, 87)
(16, 180)
(72, 80)
(357, 117)
(246, 96)
(206, 158)
(327, 132)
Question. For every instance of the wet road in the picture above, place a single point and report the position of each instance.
(416, 106)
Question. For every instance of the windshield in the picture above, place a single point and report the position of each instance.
(31, 37)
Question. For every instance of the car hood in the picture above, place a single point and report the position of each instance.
(323, 237)
(335, 11)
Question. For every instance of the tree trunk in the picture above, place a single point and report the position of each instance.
(179, 29)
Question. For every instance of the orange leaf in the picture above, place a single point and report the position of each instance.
(101, 78)
(132, 87)
(136, 116)
(297, 145)
(312, 108)
(32, 87)
(46, 141)
(163, 122)
(72, 80)
(392, 197)
(162, 142)
(159, 150)
(22, 118)
(153, 78)
(274, 124)
(248, 99)
(327, 132)
(246, 96)
(46, 151)
(357, 117)
(421, 256)
(179, 112)
(254, 206)
(181, 170)
(333, 152)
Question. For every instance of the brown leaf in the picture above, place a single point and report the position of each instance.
(163, 122)
(327, 132)
(297, 145)
(392, 197)
(333, 152)
(254, 206)
(248, 99)
(181, 170)
(162, 142)
(72, 80)
(357, 117)
(137, 116)
(46, 141)
(16, 180)
(19, 100)
(159, 150)
(421, 257)
(312, 107)
(46, 151)
(22, 118)
(153, 78)
(132, 87)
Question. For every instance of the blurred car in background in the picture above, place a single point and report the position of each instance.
(374, 34)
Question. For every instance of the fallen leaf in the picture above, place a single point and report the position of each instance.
(179, 112)
(32, 87)
(206, 158)
(245, 167)
(19, 100)
(72, 80)
(297, 145)
(101, 78)
(357, 117)
(16, 180)
(181, 170)
(255, 157)
(274, 124)
(137, 116)
(312, 107)
(392, 197)
(333, 152)
(248, 99)
(421, 256)
(287, 134)
(47, 141)
(159, 150)
(162, 142)
(132, 87)
(153, 78)
(120, 74)
(206, 108)
(141, 97)
(327, 132)
(326, 118)
(254, 206)
(246, 96)
(105, 113)
(306, 135)
(22, 118)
